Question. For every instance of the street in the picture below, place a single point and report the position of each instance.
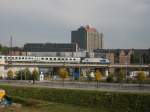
(81, 85)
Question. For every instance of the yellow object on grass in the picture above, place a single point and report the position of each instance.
(2, 94)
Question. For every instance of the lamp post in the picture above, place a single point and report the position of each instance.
(126, 65)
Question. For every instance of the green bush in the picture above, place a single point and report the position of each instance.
(110, 78)
(109, 101)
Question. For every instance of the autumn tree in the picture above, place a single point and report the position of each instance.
(98, 77)
(10, 74)
(63, 73)
(141, 77)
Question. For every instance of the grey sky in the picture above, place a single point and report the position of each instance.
(125, 23)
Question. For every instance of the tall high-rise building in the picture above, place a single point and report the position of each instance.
(87, 38)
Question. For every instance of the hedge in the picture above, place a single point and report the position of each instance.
(102, 100)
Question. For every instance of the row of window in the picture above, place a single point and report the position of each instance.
(29, 58)
(59, 59)
(42, 58)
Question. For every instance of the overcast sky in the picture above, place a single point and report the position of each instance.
(124, 23)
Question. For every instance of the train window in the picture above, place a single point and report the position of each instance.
(0, 57)
(46, 58)
(58, 58)
(54, 58)
(62, 58)
(74, 59)
(70, 59)
(42, 58)
(12, 57)
(66, 58)
(50, 58)
(19, 57)
(8, 57)
(103, 61)
(22, 57)
(15, 57)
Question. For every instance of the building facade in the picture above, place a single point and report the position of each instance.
(50, 47)
(87, 38)
(116, 56)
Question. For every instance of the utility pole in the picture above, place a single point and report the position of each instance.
(10, 49)
(126, 65)
(10, 53)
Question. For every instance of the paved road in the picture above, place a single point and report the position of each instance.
(82, 85)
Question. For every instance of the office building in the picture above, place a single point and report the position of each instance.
(87, 38)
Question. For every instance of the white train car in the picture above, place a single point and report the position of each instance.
(40, 59)
(58, 59)
(19, 58)
(2, 59)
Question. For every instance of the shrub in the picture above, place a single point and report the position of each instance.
(109, 101)
(110, 78)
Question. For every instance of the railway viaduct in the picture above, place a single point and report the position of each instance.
(105, 68)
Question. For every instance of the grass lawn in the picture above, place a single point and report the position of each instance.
(42, 106)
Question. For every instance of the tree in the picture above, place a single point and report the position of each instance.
(141, 77)
(0, 47)
(10, 74)
(98, 77)
(20, 75)
(135, 58)
(63, 73)
(110, 77)
(4, 50)
(121, 76)
(35, 75)
(27, 74)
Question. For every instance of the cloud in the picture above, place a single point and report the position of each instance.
(123, 21)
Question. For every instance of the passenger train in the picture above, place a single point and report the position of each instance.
(53, 59)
